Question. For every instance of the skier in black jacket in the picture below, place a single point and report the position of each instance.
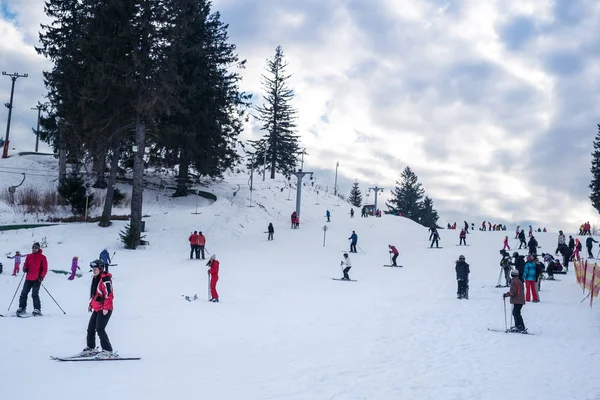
(566, 252)
(522, 242)
(519, 263)
(589, 243)
(532, 245)
(462, 276)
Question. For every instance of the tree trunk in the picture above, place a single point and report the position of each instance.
(137, 192)
(99, 166)
(62, 159)
(112, 179)
(274, 157)
(184, 167)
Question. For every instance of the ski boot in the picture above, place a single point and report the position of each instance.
(106, 354)
(88, 352)
(20, 311)
(37, 313)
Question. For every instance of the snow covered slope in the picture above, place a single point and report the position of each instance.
(284, 329)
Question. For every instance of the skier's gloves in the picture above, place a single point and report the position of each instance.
(26, 270)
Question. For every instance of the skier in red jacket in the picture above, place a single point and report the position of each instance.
(36, 268)
(213, 271)
(193, 239)
(394, 252)
(101, 307)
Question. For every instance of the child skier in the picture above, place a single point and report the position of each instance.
(506, 245)
(517, 299)
(462, 277)
(213, 271)
(463, 238)
(74, 268)
(17, 258)
(346, 261)
(101, 307)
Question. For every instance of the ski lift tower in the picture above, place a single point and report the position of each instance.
(376, 189)
(299, 175)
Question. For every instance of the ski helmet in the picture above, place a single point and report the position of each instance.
(346, 255)
(461, 258)
(515, 254)
(98, 264)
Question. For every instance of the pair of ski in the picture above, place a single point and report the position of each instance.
(28, 315)
(346, 280)
(510, 331)
(77, 357)
(393, 266)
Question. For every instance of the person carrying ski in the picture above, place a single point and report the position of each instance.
(589, 243)
(328, 215)
(74, 268)
(462, 238)
(517, 299)
(201, 244)
(213, 271)
(522, 242)
(394, 253)
(462, 277)
(270, 231)
(17, 258)
(193, 239)
(519, 263)
(105, 257)
(101, 307)
(505, 264)
(532, 245)
(348, 265)
(577, 249)
(530, 278)
(436, 239)
(36, 268)
(506, 245)
(353, 241)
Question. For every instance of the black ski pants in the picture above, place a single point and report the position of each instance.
(522, 243)
(98, 322)
(270, 237)
(346, 276)
(35, 294)
(394, 260)
(507, 275)
(200, 250)
(193, 251)
(590, 255)
(353, 247)
(517, 316)
(462, 288)
(436, 241)
(462, 241)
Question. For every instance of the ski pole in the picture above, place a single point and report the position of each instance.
(15, 295)
(361, 249)
(505, 323)
(53, 298)
(208, 285)
(390, 258)
(511, 314)
(499, 276)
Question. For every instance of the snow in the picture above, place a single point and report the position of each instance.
(284, 329)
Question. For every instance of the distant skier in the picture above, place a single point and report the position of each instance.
(462, 277)
(348, 264)
(517, 231)
(328, 215)
(201, 244)
(353, 242)
(532, 245)
(435, 240)
(530, 231)
(17, 258)
(271, 231)
(530, 277)
(506, 245)
(522, 242)
(352, 213)
(505, 264)
(589, 243)
(577, 249)
(74, 268)
(432, 230)
(213, 271)
(105, 257)
(193, 239)
(394, 253)
(101, 307)
(293, 218)
(466, 226)
(571, 244)
(462, 238)
(517, 299)
(36, 268)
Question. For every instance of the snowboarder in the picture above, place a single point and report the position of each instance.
(348, 264)
(36, 268)
(505, 264)
(352, 213)
(105, 257)
(201, 244)
(328, 215)
(354, 240)
(101, 307)
(462, 237)
(74, 268)
(436, 238)
(462, 277)
(270, 231)
(517, 299)
(530, 277)
(589, 243)
(393, 251)
(17, 258)
(506, 245)
(213, 271)
(193, 239)
(522, 242)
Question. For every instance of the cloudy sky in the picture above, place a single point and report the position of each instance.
(493, 103)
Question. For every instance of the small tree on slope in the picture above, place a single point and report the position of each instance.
(595, 184)
(429, 216)
(355, 195)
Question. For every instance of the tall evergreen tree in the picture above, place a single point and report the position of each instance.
(595, 184)
(407, 196)
(278, 119)
(355, 195)
(429, 216)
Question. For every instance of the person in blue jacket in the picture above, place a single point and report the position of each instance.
(328, 215)
(354, 239)
(104, 256)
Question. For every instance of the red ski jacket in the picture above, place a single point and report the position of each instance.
(193, 238)
(214, 269)
(201, 240)
(101, 292)
(394, 250)
(36, 266)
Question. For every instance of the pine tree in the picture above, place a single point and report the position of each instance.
(355, 195)
(595, 184)
(429, 216)
(278, 119)
(406, 196)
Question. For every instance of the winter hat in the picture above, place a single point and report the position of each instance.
(346, 255)
(514, 272)
(75, 258)
(461, 258)
(36, 244)
(17, 252)
(212, 257)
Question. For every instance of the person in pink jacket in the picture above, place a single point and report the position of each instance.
(17, 258)
(506, 245)
(74, 268)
